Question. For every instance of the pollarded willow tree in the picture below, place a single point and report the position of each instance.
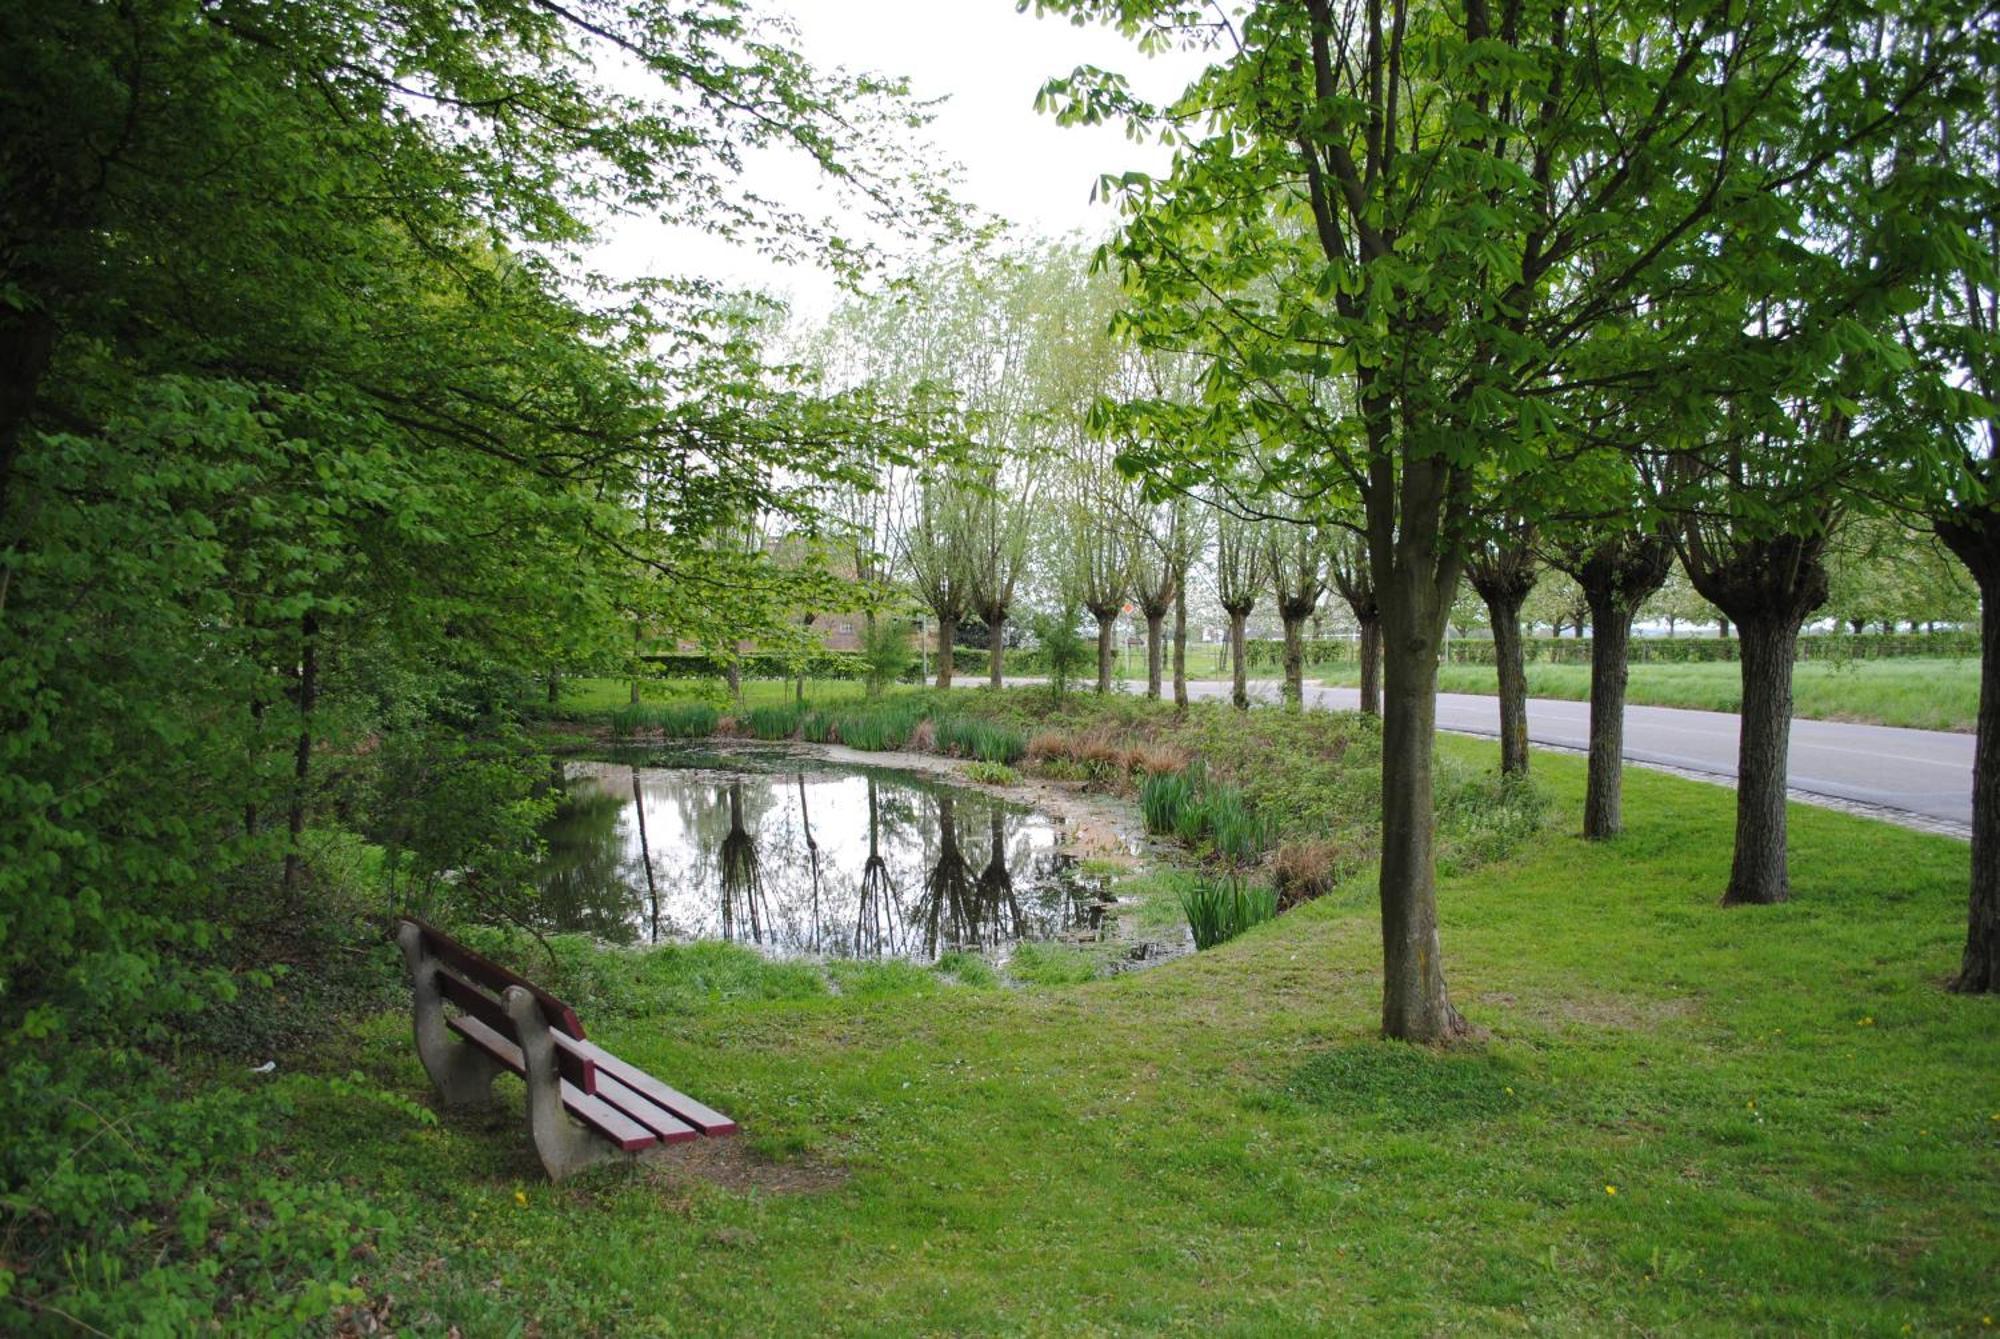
(1295, 565)
(1352, 577)
(1239, 579)
(1437, 203)
(1502, 566)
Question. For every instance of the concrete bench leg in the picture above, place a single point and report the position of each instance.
(564, 1146)
(463, 1074)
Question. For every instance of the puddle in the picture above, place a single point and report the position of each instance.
(798, 856)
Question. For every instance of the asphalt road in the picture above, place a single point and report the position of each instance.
(1924, 773)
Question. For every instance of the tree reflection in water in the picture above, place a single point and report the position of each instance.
(804, 859)
(742, 879)
(996, 885)
(947, 909)
(875, 920)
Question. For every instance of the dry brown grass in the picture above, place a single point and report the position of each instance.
(1049, 746)
(1160, 759)
(1307, 869)
(923, 739)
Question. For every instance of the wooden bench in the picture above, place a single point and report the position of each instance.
(584, 1104)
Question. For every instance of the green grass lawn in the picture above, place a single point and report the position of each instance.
(1922, 694)
(1677, 1119)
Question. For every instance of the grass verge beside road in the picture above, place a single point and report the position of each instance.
(1919, 694)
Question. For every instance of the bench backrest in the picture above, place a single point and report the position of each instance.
(478, 986)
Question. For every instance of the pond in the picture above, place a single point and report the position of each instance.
(794, 855)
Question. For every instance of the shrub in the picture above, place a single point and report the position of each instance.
(1218, 910)
(993, 773)
(885, 650)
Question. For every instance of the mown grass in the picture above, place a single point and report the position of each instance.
(1919, 694)
(1676, 1118)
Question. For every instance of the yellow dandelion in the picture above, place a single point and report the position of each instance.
(1611, 1190)
(521, 1198)
(1867, 1021)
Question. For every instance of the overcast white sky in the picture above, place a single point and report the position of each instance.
(988, 61)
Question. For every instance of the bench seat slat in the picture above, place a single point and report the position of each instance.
(705, 1119)
(598, 1114)
(574, 1067)
(670, 1128)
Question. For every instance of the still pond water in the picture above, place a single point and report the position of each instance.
(795, 855)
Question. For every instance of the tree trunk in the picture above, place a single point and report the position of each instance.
(731, 675)
(1975, 538)
(1415, 1006)
(308, 702)
(1859, 625)
(1759, 872)
(996, 651)
(1106, 649)
(1180, 648)
(1155, 632)
(555, 686)
(1295, 661)
(1505, 612)
(947, 633)
(1371, 666)
(1722, 628)
(1241, 693)
(1604, 788)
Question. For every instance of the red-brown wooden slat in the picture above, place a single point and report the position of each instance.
(671, 1128)
(705, 1119)
(594, 1112)
(496, 978)
(577, 1068)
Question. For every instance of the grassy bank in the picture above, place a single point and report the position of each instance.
(1920, 694)
(1678, 1119)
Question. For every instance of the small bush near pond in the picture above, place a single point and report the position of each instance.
(1220, 909)
(993, 773)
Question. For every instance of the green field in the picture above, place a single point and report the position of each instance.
(1676, 1119)
(1921, 694)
